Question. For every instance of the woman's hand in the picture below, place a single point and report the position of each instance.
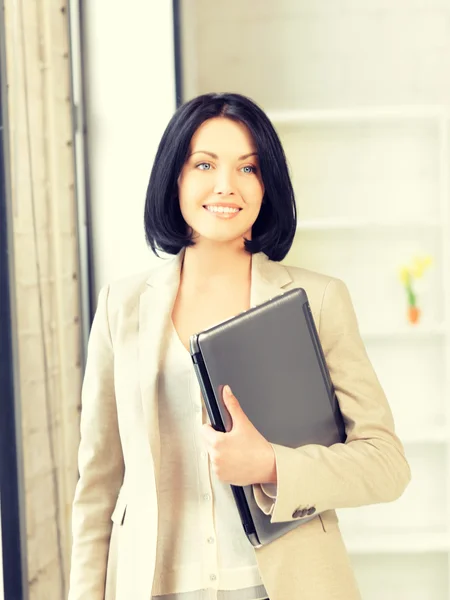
(241, 456)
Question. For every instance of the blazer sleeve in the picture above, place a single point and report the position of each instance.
(101, 465)
(371, 466)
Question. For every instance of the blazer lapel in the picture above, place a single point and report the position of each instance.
(268, 279)
(155, 309)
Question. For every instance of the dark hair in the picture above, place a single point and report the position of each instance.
(165, 228)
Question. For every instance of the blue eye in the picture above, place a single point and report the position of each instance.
(249, 169)
(204, 166)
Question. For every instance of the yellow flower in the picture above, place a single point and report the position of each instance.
(420, 264)
(404, 275)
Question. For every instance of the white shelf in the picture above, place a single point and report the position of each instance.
(399, 543)
(424, 433)
(363, 224)
(299, 117)
(430, 435)
(411, 331)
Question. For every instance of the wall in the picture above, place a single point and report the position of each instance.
(371, 192)
(130, 98)
(320, 54)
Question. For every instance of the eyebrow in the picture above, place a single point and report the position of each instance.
(243, 157)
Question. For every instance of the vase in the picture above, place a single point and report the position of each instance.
(413, 314)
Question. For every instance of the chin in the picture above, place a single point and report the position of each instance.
(215, 238)
(222, 235)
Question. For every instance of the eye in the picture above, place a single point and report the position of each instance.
(204, 166)
(249, 169)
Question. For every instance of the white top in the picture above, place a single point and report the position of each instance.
(203, 552)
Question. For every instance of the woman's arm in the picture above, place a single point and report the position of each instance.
(371, 466)
(100, 462)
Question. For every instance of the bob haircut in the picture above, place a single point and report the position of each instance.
(274, 229)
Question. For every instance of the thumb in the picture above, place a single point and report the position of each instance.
(232, 404)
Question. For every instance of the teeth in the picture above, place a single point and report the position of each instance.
(222, 209)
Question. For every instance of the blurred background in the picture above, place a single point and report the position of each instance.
(359, 91)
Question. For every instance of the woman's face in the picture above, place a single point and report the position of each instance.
(220, 187)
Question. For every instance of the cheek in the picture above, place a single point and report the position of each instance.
(253, 193)
(192, 188)
(192, 194)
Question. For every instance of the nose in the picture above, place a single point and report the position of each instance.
(223, 184)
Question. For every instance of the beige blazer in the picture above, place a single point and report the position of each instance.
(115, 511)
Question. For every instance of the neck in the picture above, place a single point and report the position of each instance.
(205, 264)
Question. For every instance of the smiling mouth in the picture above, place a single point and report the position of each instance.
(222, 210)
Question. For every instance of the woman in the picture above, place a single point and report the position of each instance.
(220, 200)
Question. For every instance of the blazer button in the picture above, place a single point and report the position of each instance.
(311, 511)
(299, 513)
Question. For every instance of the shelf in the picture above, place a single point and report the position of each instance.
(363, 224)
(430, 435)
(412, 331)
(399, 543)
(398, 113)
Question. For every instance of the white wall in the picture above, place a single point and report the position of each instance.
(130, 98)
(294, 55)
(302, 54)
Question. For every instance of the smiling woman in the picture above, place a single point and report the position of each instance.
(220, 199)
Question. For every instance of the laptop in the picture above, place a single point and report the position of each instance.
(273, 361)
